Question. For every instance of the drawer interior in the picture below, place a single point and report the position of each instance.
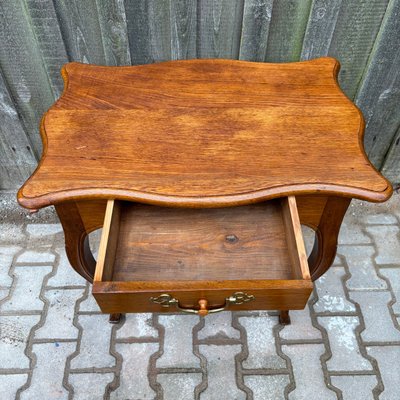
(147, 243)
(161, 248)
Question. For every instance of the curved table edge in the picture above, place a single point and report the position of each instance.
(203, 202)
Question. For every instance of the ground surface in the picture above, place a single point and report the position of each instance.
(55, 344)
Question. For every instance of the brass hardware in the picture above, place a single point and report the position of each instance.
(166, 300)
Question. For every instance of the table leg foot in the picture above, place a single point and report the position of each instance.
(284, 318)
(115, 318)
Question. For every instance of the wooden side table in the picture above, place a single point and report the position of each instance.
(200, 173)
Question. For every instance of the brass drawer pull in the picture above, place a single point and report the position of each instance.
(166, 300)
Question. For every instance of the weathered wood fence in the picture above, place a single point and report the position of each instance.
(38, 36)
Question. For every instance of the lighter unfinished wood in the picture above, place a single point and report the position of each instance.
(108, 243)
(294, 236)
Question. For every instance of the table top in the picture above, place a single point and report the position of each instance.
(202, 133)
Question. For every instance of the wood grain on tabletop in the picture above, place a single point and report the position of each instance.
(203, 133)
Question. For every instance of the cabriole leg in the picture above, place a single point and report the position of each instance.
(76, 240)
(326, 236)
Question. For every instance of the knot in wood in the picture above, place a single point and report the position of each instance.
(231, 238)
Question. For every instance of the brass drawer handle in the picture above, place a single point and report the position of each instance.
(166, 300)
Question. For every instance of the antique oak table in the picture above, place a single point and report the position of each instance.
(200, 173)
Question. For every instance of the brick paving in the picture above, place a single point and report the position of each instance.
(56, 344)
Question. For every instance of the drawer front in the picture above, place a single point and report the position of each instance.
(244, 258)
(118, 297)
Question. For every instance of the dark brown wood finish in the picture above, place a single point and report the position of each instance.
(202, 133)
(76, 240)
(125, 297)
(326, 236)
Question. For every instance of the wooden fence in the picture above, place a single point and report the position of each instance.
(38, 36)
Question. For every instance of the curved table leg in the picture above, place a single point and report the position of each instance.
(76, 240)
(324, 215)
(326, 236)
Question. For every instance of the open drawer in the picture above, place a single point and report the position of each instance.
(154, 259)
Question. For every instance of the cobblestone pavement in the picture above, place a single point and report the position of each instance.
(55, 344)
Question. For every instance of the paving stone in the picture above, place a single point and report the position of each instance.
(179, 386)
(393, 274)
(388, 243)
(4, 293)
(89, 304)
(10, 384)
(388, 361)
(301, 327)
(95, 348)
(309, 238)
(346, 355)
(363, 274)
(14, 332)
(331, 295)
(6, 256)
(221, 373)
(48, 374)
(351, 233)
(219, 326)
(134, 384)
(65, 275)
(11, 234)
(137, 326)
(89, 386)
(135, 367)
(25, 296)
(355, 387)
(261, 343)
(308, 355)
(35, 256)
(380, 219)
(178, 344)
(94, 241)
(267, 387)
(43, 234)
(60, 314)
(378, 321)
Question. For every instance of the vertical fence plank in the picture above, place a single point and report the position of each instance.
(379, 93)
(38, 36)
(255, 28)
(17, 161)
(48, 35)
(23, 68)
(112, 21)
(80, 28)
(219, 28)
(320, 28)
(160, 30)
(149, 30)
(391, 165)
(183, 29)
(356, 29)
(137, 20)
(287, 29)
